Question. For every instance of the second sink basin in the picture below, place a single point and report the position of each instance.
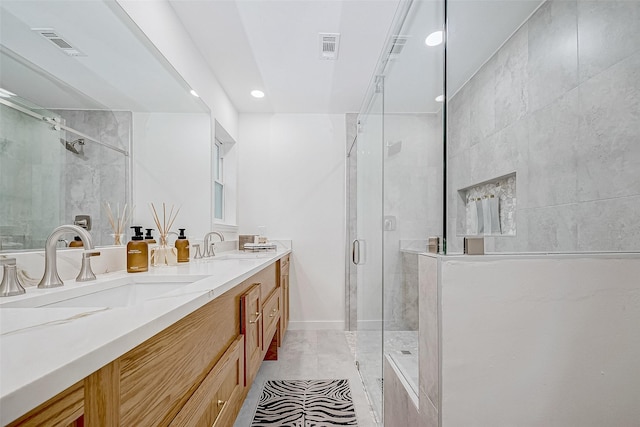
(123, 292)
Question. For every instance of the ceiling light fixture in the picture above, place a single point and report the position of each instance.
(440, 98)
(6, 94)
(194, 93)
(434, 39)
(257, 93)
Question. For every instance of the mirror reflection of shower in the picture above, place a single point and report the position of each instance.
(76, 147)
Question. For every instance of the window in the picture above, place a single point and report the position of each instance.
(218, 181)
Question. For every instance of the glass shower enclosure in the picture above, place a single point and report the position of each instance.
(399, 192)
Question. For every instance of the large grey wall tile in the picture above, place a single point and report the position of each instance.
(553, 135)
(511, 79)
(552, 229)
(608, 31)
(553, 52)
(609, 148)
(500, 154)
(458, 117)
(609, 225)
(429, 348)
(428, 412)
(482, 118)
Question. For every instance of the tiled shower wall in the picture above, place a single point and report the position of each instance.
(100, 175)
(413, 204)
(559, 104)
(30, 180)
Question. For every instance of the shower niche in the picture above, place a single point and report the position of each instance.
(488, 208)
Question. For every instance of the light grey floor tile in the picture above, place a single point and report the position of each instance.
(311, 355)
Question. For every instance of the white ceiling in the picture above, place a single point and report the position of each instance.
(273, 45)
(270, 45)
(122, 70)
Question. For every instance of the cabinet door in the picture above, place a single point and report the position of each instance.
(284, 298)
(271, 315)
(251, 328)
(218, 398)
(284, 316)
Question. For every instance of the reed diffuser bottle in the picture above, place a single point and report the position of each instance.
(164, 254)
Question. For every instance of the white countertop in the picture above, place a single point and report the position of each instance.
(45, 350)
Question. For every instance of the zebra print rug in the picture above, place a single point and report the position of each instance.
(305, 403)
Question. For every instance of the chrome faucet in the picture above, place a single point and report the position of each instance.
(51, 279)
(208, 246)
(10, 285)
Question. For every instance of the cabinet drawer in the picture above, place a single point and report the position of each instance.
(218, 398)
(284, 265)
(271, 314)
(268, 281)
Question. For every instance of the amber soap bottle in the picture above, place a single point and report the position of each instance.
(137, 252)
(76, 242)
(182, 245)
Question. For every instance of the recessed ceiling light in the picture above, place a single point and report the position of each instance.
(6, 94)
(440, 98)
(257, 93)
(194, 93)
(434, 39)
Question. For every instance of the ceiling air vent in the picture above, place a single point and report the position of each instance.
(54, 37)
(329, 45)
(397, 44)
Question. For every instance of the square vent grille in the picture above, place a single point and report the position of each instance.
(329, 44)
(397, 45)
(54, 37)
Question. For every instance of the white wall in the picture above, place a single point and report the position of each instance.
(165, 30)
(172, 164)
(291, 180)
(546, 341)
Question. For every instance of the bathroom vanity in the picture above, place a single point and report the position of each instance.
(184, 357)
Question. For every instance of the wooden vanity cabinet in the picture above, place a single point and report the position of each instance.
(251, 327)
(271, 312)
(196, 372)
(65, 409)
(283, 277)
(218, 398)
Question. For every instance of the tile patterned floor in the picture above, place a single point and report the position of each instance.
(310, 355)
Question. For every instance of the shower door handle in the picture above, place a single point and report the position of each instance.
(355, 251)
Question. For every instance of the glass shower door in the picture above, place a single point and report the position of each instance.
(367, 249)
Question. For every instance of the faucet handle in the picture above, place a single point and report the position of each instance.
(10, 284)
(8, 261)
(86, 273)
(198, 254)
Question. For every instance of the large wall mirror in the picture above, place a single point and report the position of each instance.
(74, 75)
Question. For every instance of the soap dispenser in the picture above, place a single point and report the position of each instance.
(149, 237)
(76, 242)
(137, 252)
(182, 245)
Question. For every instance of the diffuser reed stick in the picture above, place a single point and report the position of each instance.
(165, 225)
(118, 222)
(163, 254)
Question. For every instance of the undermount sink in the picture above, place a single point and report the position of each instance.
(123, 292)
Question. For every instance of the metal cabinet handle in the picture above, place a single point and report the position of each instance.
(221, 402)
(355, 251)
(258, 315)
